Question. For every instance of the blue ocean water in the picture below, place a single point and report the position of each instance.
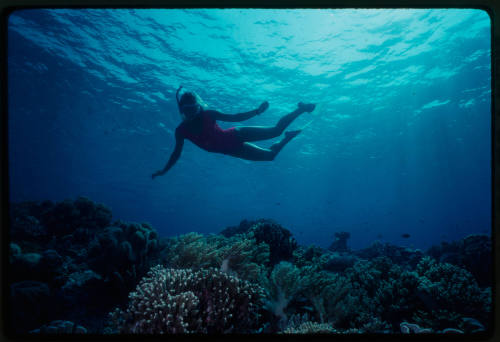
(399, 143)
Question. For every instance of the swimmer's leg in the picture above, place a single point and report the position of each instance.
(255, 133)
(256, 153)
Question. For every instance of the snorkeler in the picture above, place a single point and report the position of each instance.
(199, 126)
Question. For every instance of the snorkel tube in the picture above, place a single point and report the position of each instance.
(179, 104)
(177, 97)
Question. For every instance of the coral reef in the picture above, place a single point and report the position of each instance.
(239, 255)
(283, 285)
(336, 262)
(472, 253)
(191, 250)
(30, 302)
(185, 301)
(123, 253)
(340, 242)
(38, 220)
(242, 228)
(84, 259)
(311, 328)
(70, 261)
(280, 241)
(454, 289)
(398, 255)
(409, 328)
(303, 256)
(60, 328)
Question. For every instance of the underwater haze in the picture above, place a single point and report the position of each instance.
(398, 148)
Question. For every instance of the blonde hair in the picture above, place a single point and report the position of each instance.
(189, 97)
(200, 101)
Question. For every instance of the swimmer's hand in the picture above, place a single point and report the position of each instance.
(262, 108)
(156, 174)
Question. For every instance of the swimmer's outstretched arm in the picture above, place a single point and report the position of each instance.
(241, 116)
(179, 143)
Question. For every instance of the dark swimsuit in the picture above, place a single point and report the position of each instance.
(212, 138)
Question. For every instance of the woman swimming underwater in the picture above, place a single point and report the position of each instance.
(200, 126)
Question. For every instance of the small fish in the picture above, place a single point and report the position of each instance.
(405, 235)
(379, 236)
(277, 203)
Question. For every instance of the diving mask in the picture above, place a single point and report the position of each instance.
(190, 109)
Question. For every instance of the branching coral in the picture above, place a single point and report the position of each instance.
(472, 253)
(330, 303)
(280, 241)
(170, 301)
(245, 257)
(85, 261)
(303, 256)
(191, 250)
(402, 256)
(311, 328)
(449, 287)
(240, 255)
(396, 298)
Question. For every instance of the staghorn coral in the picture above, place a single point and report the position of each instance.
(170, 301)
